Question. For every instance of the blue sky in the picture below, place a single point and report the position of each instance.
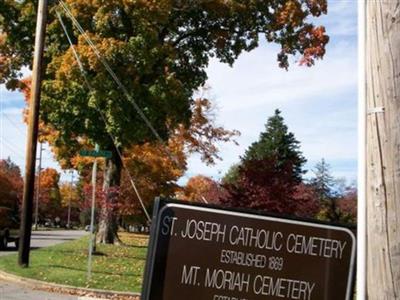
(319, 104)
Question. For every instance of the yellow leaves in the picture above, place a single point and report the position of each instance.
(49, 178)
(68, 67)
(196, 187)
(69, 194)
(291, 14)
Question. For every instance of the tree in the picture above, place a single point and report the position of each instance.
(70, 197)
(232, 175)
(324, 186)
(202, 189)
(307, 202)
(159, 50)
(277, 142)
(348, 206)
(263, 187)
(10, 184)
(49, 196)
(337, 200)
(269, 174)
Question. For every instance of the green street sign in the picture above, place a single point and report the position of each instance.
(94, 153)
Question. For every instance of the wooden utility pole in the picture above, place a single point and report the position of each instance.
(33, 119)
(383, 148)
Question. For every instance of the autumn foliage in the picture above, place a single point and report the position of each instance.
(11, 184)
(261, 186)
(202, 189)
(160, 51)
(49, 194)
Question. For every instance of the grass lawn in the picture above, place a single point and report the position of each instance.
(118, 268)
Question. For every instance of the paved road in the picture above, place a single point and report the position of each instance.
(41, 239)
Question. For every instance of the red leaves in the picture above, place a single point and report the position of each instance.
(263, 187)
(11, 184)
(315, 49)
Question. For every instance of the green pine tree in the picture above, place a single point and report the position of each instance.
(324, 186)
(278, 143)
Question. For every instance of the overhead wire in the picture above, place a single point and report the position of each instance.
(11, 144)
(116, 79)
(83, 72)
(110, 71)
(14, 125)
(11, 148)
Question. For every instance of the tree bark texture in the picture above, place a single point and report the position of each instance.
(108, 225)
(383, 148)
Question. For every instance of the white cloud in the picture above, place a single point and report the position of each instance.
(319, 104)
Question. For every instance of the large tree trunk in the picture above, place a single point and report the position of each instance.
(108, 225)
(383, 148)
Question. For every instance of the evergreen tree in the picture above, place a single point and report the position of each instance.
(269, 173)
(324, 186)
(280, 144)
(323, 182)
(232, 175)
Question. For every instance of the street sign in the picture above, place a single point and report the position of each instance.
(200, 252)
(96, 153)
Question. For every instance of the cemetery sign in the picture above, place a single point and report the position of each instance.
(199, 252)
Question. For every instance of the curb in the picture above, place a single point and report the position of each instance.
(70, 290)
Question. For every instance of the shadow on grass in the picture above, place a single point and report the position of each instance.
(134, 246)
(72, 251)
(129, 256)
(15, 249)
(93, 271)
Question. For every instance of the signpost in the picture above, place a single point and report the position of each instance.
(208, 253)
(93, 153)
(96, 153)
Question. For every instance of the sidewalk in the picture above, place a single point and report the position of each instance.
(13, 291)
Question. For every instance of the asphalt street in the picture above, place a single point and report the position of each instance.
(14, 291)
(41, 239)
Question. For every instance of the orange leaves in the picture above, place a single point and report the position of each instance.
(316, 48)
(293, 14)
(11, 184)
(202, 135)
(49, 178)
(290, 14)
(49, 196)
(68, 67)
(200, 189)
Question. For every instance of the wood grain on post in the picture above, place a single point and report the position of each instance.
(383, 148)
(32, 136)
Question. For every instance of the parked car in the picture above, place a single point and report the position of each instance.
(87, 228)
(9, 227)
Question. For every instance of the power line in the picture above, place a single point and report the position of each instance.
(102, 116)
(115, 77)
(13, 124)
(11, 149)
(110, 71)
(13, 146)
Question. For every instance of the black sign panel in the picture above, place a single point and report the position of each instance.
(204, 253)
